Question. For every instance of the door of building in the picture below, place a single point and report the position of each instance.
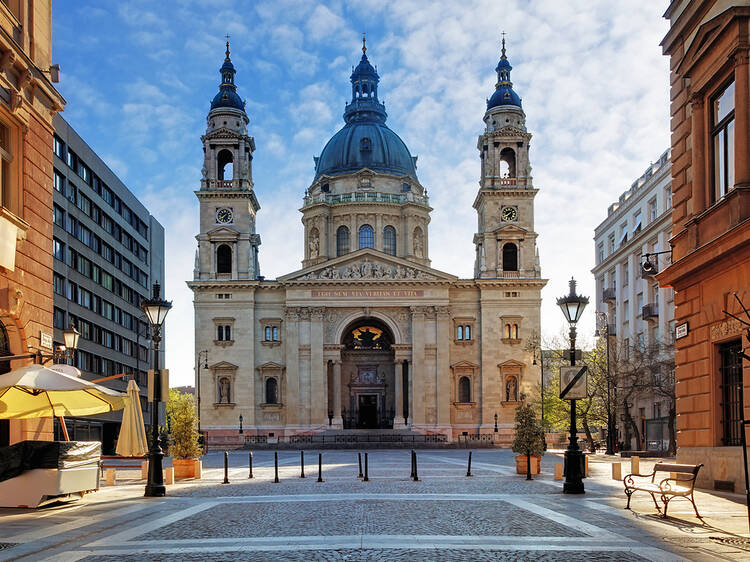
(367, 411)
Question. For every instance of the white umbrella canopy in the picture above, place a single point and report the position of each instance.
(132, 439)
(35, 391)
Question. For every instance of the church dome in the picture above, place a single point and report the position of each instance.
(504, 94)
(227, 95)
(365, 141)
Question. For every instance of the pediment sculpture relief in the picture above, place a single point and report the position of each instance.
(368, 270)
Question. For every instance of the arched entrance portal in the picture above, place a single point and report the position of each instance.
(368, 375)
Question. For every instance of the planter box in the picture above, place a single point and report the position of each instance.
(536, 464)
(185, 468)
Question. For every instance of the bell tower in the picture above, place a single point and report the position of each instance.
(505, 240)
(227, 242)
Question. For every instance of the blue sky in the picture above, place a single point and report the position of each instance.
(138, 77)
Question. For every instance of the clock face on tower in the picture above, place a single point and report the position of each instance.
(509, 213)
(224, 215)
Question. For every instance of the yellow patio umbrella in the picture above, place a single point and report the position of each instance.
(35, 391)
(132, 439)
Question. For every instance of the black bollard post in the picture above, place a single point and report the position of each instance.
(416, 469)
(411, 474)
(320, 467)
(359, 460)
(468, 470)
(366, 479)
(250, 464)
(302, 464)
(226, 468)
(276, 467)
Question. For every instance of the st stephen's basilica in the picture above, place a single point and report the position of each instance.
(366, 335)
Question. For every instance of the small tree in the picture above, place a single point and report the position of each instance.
(183, 423)
(529, 438)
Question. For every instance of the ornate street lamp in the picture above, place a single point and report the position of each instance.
(70, 336)
(156, 310)
(204, 354)
(572, 306)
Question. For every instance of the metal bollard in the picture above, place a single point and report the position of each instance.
(320, 467)
(411, 475)
(359, 460)
(365, 479)
(468, 470)
(276, 467)
(302, 464)
(250, 464)
(226, 468)
(416, 470)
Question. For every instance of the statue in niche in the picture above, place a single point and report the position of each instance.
(511, 390)
(418, 243)
(314, 244)
(367, 338)
(224, 391)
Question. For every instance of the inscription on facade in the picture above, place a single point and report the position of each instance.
(365, 294)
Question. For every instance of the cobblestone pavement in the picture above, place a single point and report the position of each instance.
(492, 515)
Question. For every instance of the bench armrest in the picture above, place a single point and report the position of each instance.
(665, 485)
(629, 477)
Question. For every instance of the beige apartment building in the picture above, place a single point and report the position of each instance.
(366, 335)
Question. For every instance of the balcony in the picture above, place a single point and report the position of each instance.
(609, 295)
(366, 197)
(650, 312)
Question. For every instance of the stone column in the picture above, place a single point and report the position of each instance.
(337, 421)
(291, 400)
(410, 388)
(417, 413)
(442, 384)
(235, 260)
(212, 275)
(398, 390)
(318, 371)
(741, 120)
(698, 155)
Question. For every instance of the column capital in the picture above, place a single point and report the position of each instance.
(443, 310)
(696, 101)
(292, 313)
(317, 312)
(740, 56)
(419, 310)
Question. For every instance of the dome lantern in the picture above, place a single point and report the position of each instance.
(227, 95)
(504, 94)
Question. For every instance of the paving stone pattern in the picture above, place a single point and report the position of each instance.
(365, 517)
(356, 555)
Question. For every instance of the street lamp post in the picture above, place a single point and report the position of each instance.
(495, 422)
(240, 424)
(572, 307)
(156, 310)
(204, 353)
(611, 418)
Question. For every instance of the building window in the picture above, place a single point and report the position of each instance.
(600, 253)
(272, 391)
(58, 249)
(510, 257)
(271, 333)
(224, 333)
(611, 243)
(464, 390)
(342, 241)
(668, 197)
(731, 392)
(365, 145)
(58, 319)
(366, 236)
(637, 222)
(59, 146)
(223, 259)
(9, 189)
(652, 210)
(623, 234)
(722, 134)
(459, 333)
(389, 240)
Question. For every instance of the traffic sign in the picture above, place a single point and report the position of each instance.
(573, 382)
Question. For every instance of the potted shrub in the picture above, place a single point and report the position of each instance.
(183, 434)
(529, 441)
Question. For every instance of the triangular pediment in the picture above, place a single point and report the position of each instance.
(223, 233)
(511, 363)
(705, 35)
(510, 229)
(465, 364)
(223, 365)
(368, 265)
(270, 365)
(222, 133)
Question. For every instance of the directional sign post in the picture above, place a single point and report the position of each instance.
(573, 382)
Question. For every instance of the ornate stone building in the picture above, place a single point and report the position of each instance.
(366, 334)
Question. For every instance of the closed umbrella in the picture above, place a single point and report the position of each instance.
(35, 391)
(132, 440)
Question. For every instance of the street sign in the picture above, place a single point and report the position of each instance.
(573, 382)
(45, 340)
(681, 330)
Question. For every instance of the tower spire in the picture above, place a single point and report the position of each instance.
(503, 57)
(364, 44)
(227, 53)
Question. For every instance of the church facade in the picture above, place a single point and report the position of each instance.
(366, 335)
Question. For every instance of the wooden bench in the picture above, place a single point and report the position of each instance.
(680, 482)
(106, 462)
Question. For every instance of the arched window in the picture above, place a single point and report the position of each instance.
(268, 333)
(224, 259)
(510, 257)
(272, 391)
(514, 332)
(220, 333)
(365, 145)
(507, 163)
(227, 333)
(464, 390)
(366, 236)
(389, 240)
(507, 331)
(225, 391)
(459, 332)
(342, 241)
(225, 164)
(467, 332)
